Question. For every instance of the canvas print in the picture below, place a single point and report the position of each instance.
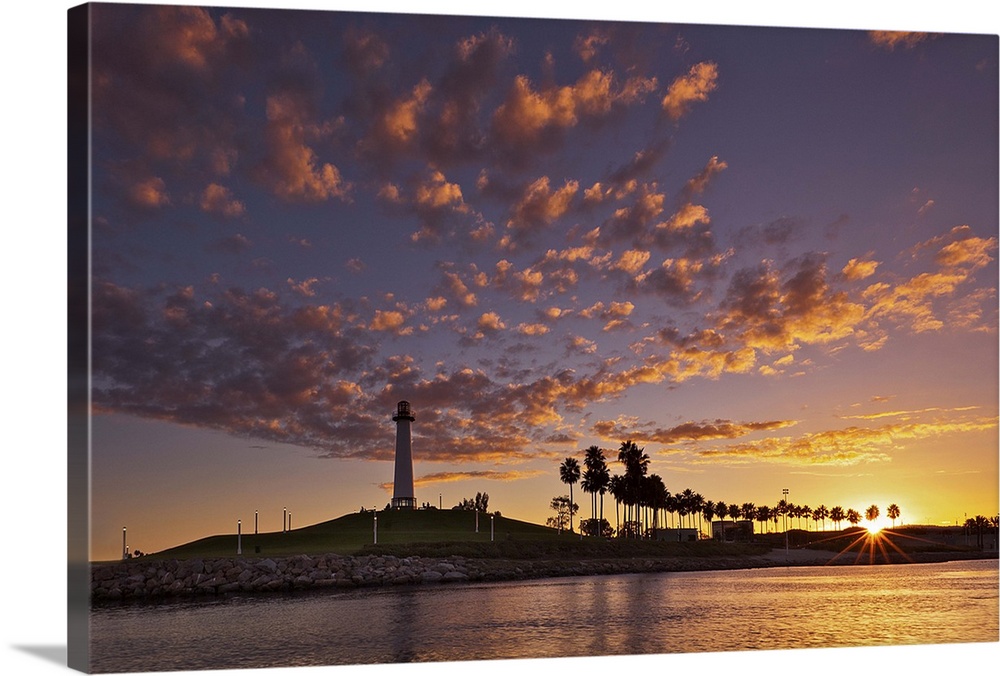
(423, 338)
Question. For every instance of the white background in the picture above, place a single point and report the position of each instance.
(33, 330)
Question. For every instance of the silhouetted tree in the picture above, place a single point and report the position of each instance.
(853, 517)
(837, 515)
(596, 528)
(569, 473)
(872, 513)
(892, 511)
(564, 509)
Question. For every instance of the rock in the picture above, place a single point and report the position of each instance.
(454, 576)
(431, 576)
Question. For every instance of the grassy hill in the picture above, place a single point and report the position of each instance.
(352, 533)
(434, 533)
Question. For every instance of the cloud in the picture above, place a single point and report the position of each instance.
(699, 183)
(149, 193)
(768, 312)
(390, 321)
(685, 432)
(859, 269)
(398, 125)
(843, 447)
(912, 302)
(162, 81)
(690, 88)
(533, 120)
(291, 168)
(587, 46)
(490, 322)
(234, 244)
(364, 51)
(539, 205)
(484, 475)
(892, 39)
(304, 288)
(218, 200)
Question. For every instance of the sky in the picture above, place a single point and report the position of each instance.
(766, 255)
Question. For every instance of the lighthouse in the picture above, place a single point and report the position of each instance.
(402, 483)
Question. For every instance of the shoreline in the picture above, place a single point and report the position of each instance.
(144, 580)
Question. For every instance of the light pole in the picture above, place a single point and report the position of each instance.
(284, 520)
(124, 544)
(376, 528)
(491, 528)
(255, 522)
(784, 492)
(239, 537)
(477, 520)
(440, 505)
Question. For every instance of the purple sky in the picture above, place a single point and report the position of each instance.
(767, 255)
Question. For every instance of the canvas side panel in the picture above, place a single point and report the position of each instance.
(78, 339)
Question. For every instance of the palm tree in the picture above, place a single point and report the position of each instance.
(763, 515)
(803, 511)
(708, 511)
(636, 464)
(569, 473)
(853, 517)
(747, 511)
(871, 513)
(721, 509)
(616, 486)
(781, 510)
(697, 506)
(820, 514)
(734, 511)
(892, 511)
(837, 515)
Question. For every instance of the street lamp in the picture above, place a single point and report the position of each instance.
(491, 528)
(376, 528)
(784, 492)
(124, 544)
(239, 537)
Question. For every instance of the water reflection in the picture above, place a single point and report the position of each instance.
(614, 615)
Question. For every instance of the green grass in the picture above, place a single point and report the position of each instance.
(436, 533)
(350, 534)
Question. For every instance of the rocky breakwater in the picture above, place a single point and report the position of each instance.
(148, 578)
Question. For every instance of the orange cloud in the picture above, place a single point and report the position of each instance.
(217, 199)
(892, 39)
(540, 204)
(399, 123)
(859, 269)
(291, 168)
(149, 193)
(690, 88)
(689, 431)
(849, 446)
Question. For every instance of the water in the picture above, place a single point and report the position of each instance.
(775, 608)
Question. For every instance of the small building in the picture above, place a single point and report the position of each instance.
(732, 531)
(677, 534)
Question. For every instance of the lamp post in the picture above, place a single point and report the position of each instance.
(124, 544)
(440, 504)
(477, 520)
(239, 537)
(491, 528)
(784, 492)
(284, 520)
(255, 522)
(376, 528)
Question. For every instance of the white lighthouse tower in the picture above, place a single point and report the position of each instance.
(402, 483)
